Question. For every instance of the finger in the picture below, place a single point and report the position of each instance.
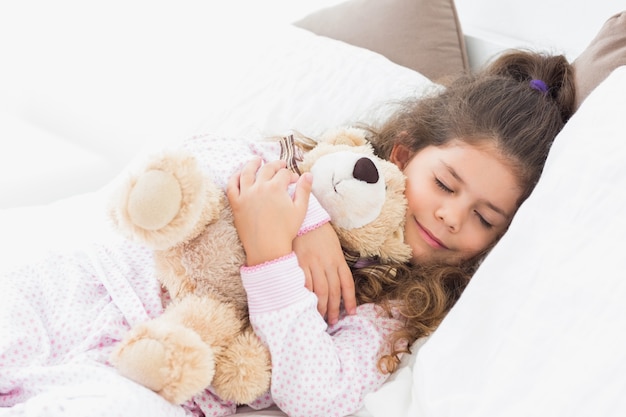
(348, 295)
(248, 173)
(303, 191)
(269, 169)
(308, 279)
(321, 306)
(334, 297)
(320, 287)
(284, 177)
(232, 187)
(294, 176)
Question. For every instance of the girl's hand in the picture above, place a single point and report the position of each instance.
(267, 218)
(326, 271)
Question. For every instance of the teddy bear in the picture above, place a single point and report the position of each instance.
(204, 337)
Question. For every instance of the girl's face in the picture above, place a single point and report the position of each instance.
(461, 198)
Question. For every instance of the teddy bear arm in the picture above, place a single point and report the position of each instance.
(165, 202)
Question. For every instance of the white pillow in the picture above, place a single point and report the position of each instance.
(541, 329)
(126, 77)
(277, 78)
(297, 80)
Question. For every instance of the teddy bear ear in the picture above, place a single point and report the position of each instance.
(351, 136)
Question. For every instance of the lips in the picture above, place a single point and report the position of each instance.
(429, 237)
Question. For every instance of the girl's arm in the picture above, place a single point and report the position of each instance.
(318, 250)
(326, 272)
(316, 370)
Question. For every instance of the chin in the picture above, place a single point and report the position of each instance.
(424, 259)
(430, 259)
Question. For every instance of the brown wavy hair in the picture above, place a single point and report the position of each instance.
(496, 104)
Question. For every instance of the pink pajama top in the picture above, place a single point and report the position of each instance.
(61, 316)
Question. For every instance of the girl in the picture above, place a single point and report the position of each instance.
(471, 154)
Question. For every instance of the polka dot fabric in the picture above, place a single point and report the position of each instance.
(316, 370)
(221, 156)
(61, 317)
(59, 320)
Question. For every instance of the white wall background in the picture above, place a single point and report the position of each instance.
(560, 26)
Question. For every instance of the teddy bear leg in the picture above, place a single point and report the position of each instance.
(175, 354)
(243, 370)
(242, 361)
(167, 202)
(166, 357)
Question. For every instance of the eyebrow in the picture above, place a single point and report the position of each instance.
(487, 203)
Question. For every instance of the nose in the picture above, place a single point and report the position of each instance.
(365, 170)
(451, 216)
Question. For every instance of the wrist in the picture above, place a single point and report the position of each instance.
(267, 254)
(275, 285)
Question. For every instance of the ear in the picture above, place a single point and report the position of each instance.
(400, 155)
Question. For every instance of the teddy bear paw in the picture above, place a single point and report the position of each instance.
(155, 200)
(167, 202)
(243, 370)
(173, 362)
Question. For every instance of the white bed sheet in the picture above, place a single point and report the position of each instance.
(292, 79)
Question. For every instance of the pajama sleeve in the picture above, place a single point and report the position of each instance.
(316, 370)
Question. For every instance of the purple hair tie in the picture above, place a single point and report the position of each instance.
(538, 85)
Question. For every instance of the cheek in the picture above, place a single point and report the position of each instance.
(417, 204)
(417, 193)
(477, 240)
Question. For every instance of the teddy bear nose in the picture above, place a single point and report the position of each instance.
(365, 170)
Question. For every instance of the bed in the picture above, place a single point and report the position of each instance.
(541, 329)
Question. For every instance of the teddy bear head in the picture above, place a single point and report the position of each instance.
(363, 194)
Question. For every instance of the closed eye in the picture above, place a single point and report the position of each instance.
(443, 186)
(484, 222)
